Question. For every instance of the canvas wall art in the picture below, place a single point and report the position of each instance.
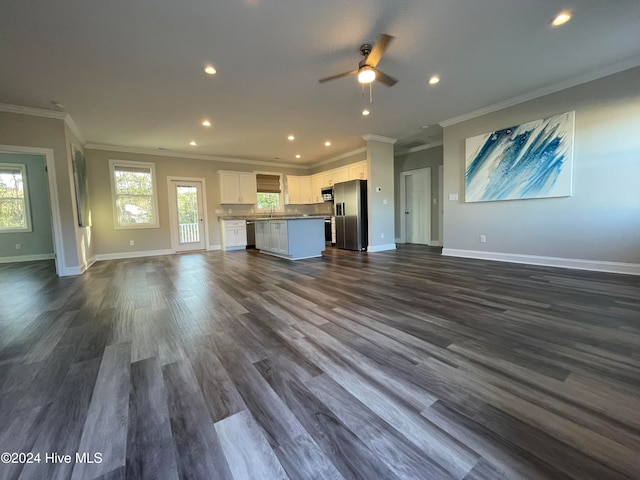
(82, 186)
(532, 160)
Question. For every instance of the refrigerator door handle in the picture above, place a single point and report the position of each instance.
(344, 213)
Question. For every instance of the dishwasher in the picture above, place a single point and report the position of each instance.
(251, 234)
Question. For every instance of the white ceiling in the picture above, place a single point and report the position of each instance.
(129, 72)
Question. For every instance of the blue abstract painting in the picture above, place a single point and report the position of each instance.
(532, 160)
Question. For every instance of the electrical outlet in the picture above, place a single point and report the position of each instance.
(131, 242)
(382, 235)
(483, 239)
(230, 211)
(18, 246)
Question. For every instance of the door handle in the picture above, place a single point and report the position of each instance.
(406, 213)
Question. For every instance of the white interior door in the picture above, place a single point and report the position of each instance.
(418, 206)
(187, 216)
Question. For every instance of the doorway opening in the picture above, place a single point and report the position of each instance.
(42, 240)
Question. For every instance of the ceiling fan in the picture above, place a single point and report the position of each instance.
(367, 71)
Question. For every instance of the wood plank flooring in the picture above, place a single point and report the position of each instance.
(395, 365)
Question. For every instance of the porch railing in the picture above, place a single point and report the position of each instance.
(189, 233)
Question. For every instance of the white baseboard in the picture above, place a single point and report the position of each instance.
(214, 247)
(381, 248)
(123, 255)
(27, 258)
(579, 264)
(400, 240)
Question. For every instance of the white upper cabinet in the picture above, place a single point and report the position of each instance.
(238, 187)
(358, 171)
(316, 188)
(299, 190)
(305, 189)
(293, 190)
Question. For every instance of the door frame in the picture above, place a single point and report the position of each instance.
(173, 212)
(56, 221)
(403, 202)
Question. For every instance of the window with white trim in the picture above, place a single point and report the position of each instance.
(15, 215)
(269, 187)
(133, 188)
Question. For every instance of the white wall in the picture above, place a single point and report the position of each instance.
(598, 224)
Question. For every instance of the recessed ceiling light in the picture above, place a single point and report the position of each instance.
(365, 112)
(298, 156)
(291, 138)
(434, 79)
(327, 143)
(210, 70)
(561, 19)
(193, 143)
(206, 123)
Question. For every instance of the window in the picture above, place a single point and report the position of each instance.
(14, 200)
(269, 192)
(133, 186)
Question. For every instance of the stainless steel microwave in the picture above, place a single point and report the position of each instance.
(327, 194)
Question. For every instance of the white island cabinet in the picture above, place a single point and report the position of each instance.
(294, 238)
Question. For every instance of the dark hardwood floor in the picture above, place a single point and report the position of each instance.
(400, 364)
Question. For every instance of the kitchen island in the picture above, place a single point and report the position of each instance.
(293, 238)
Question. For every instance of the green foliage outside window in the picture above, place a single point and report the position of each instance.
(134, 196)
(269, 201)
(13, 213)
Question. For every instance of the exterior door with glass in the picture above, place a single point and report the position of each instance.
(187, 216)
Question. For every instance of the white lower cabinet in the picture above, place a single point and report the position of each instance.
(234, 234)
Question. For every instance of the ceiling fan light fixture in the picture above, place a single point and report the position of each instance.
(366, 74)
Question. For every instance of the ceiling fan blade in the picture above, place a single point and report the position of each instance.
(388, 80)
(378, 49)
(340, 75)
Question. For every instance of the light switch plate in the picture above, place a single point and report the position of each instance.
(453, 196)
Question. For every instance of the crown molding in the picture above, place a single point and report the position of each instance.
(340, 157)
(541, 92)
(41, 112)
(74, 128)
(379, 138)
(195, 156)
(419, 148)
(35, 112)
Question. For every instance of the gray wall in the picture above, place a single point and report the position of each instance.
(40, 240)
(601, 220)
(431, 157)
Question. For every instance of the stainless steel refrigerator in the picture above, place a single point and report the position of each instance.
(350, 206)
